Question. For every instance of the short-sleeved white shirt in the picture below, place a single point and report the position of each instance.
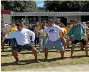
(53, 32)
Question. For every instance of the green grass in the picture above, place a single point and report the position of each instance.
(7, 60)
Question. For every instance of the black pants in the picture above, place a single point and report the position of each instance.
(7, 41)
(36, 40)
(82, 41)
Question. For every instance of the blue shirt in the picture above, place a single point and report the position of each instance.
(77, 31)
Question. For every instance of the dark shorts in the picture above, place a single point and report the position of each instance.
(20, 48)
(82, 41)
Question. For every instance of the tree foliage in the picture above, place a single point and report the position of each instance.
(19, 6)
(66, 6)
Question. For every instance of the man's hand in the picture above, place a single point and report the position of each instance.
(32, 41)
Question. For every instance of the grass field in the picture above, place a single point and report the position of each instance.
(7, 60)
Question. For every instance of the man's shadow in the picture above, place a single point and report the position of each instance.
(24, 62)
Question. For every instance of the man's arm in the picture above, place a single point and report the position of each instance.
(10, 36)
(84, 28)
(70, 32)
(32, 34)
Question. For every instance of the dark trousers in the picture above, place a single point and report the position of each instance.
(36, 40)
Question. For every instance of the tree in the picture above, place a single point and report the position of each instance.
(51, 5)
(85, 6)
(59, 6)
(19, 6)
(2, 7)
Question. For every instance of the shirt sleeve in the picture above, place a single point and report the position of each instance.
(84, 28)
(11, 35)
(31, 33)
(60, 30)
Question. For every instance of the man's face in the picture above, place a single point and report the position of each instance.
(13, 25)
(44, 23)
(50, 23)
(37, 24)
(19, 27)
(75, 24)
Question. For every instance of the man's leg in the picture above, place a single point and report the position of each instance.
(2, 44)
(67, 42)
(82, 46)
(15, 53)
(34, 50)
(64, 42)
(72, 49)
(62, 54)
(49, 44)
(37, 40)
(46, 53)
(40, 44)
(83, 42)
(73, 46)
(86, 49)
(60, 44)
(9, 42)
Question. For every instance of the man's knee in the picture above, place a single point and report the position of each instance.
(85, 46)
(34, 49)
(15, 52)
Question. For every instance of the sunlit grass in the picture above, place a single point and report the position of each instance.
(53, 59)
